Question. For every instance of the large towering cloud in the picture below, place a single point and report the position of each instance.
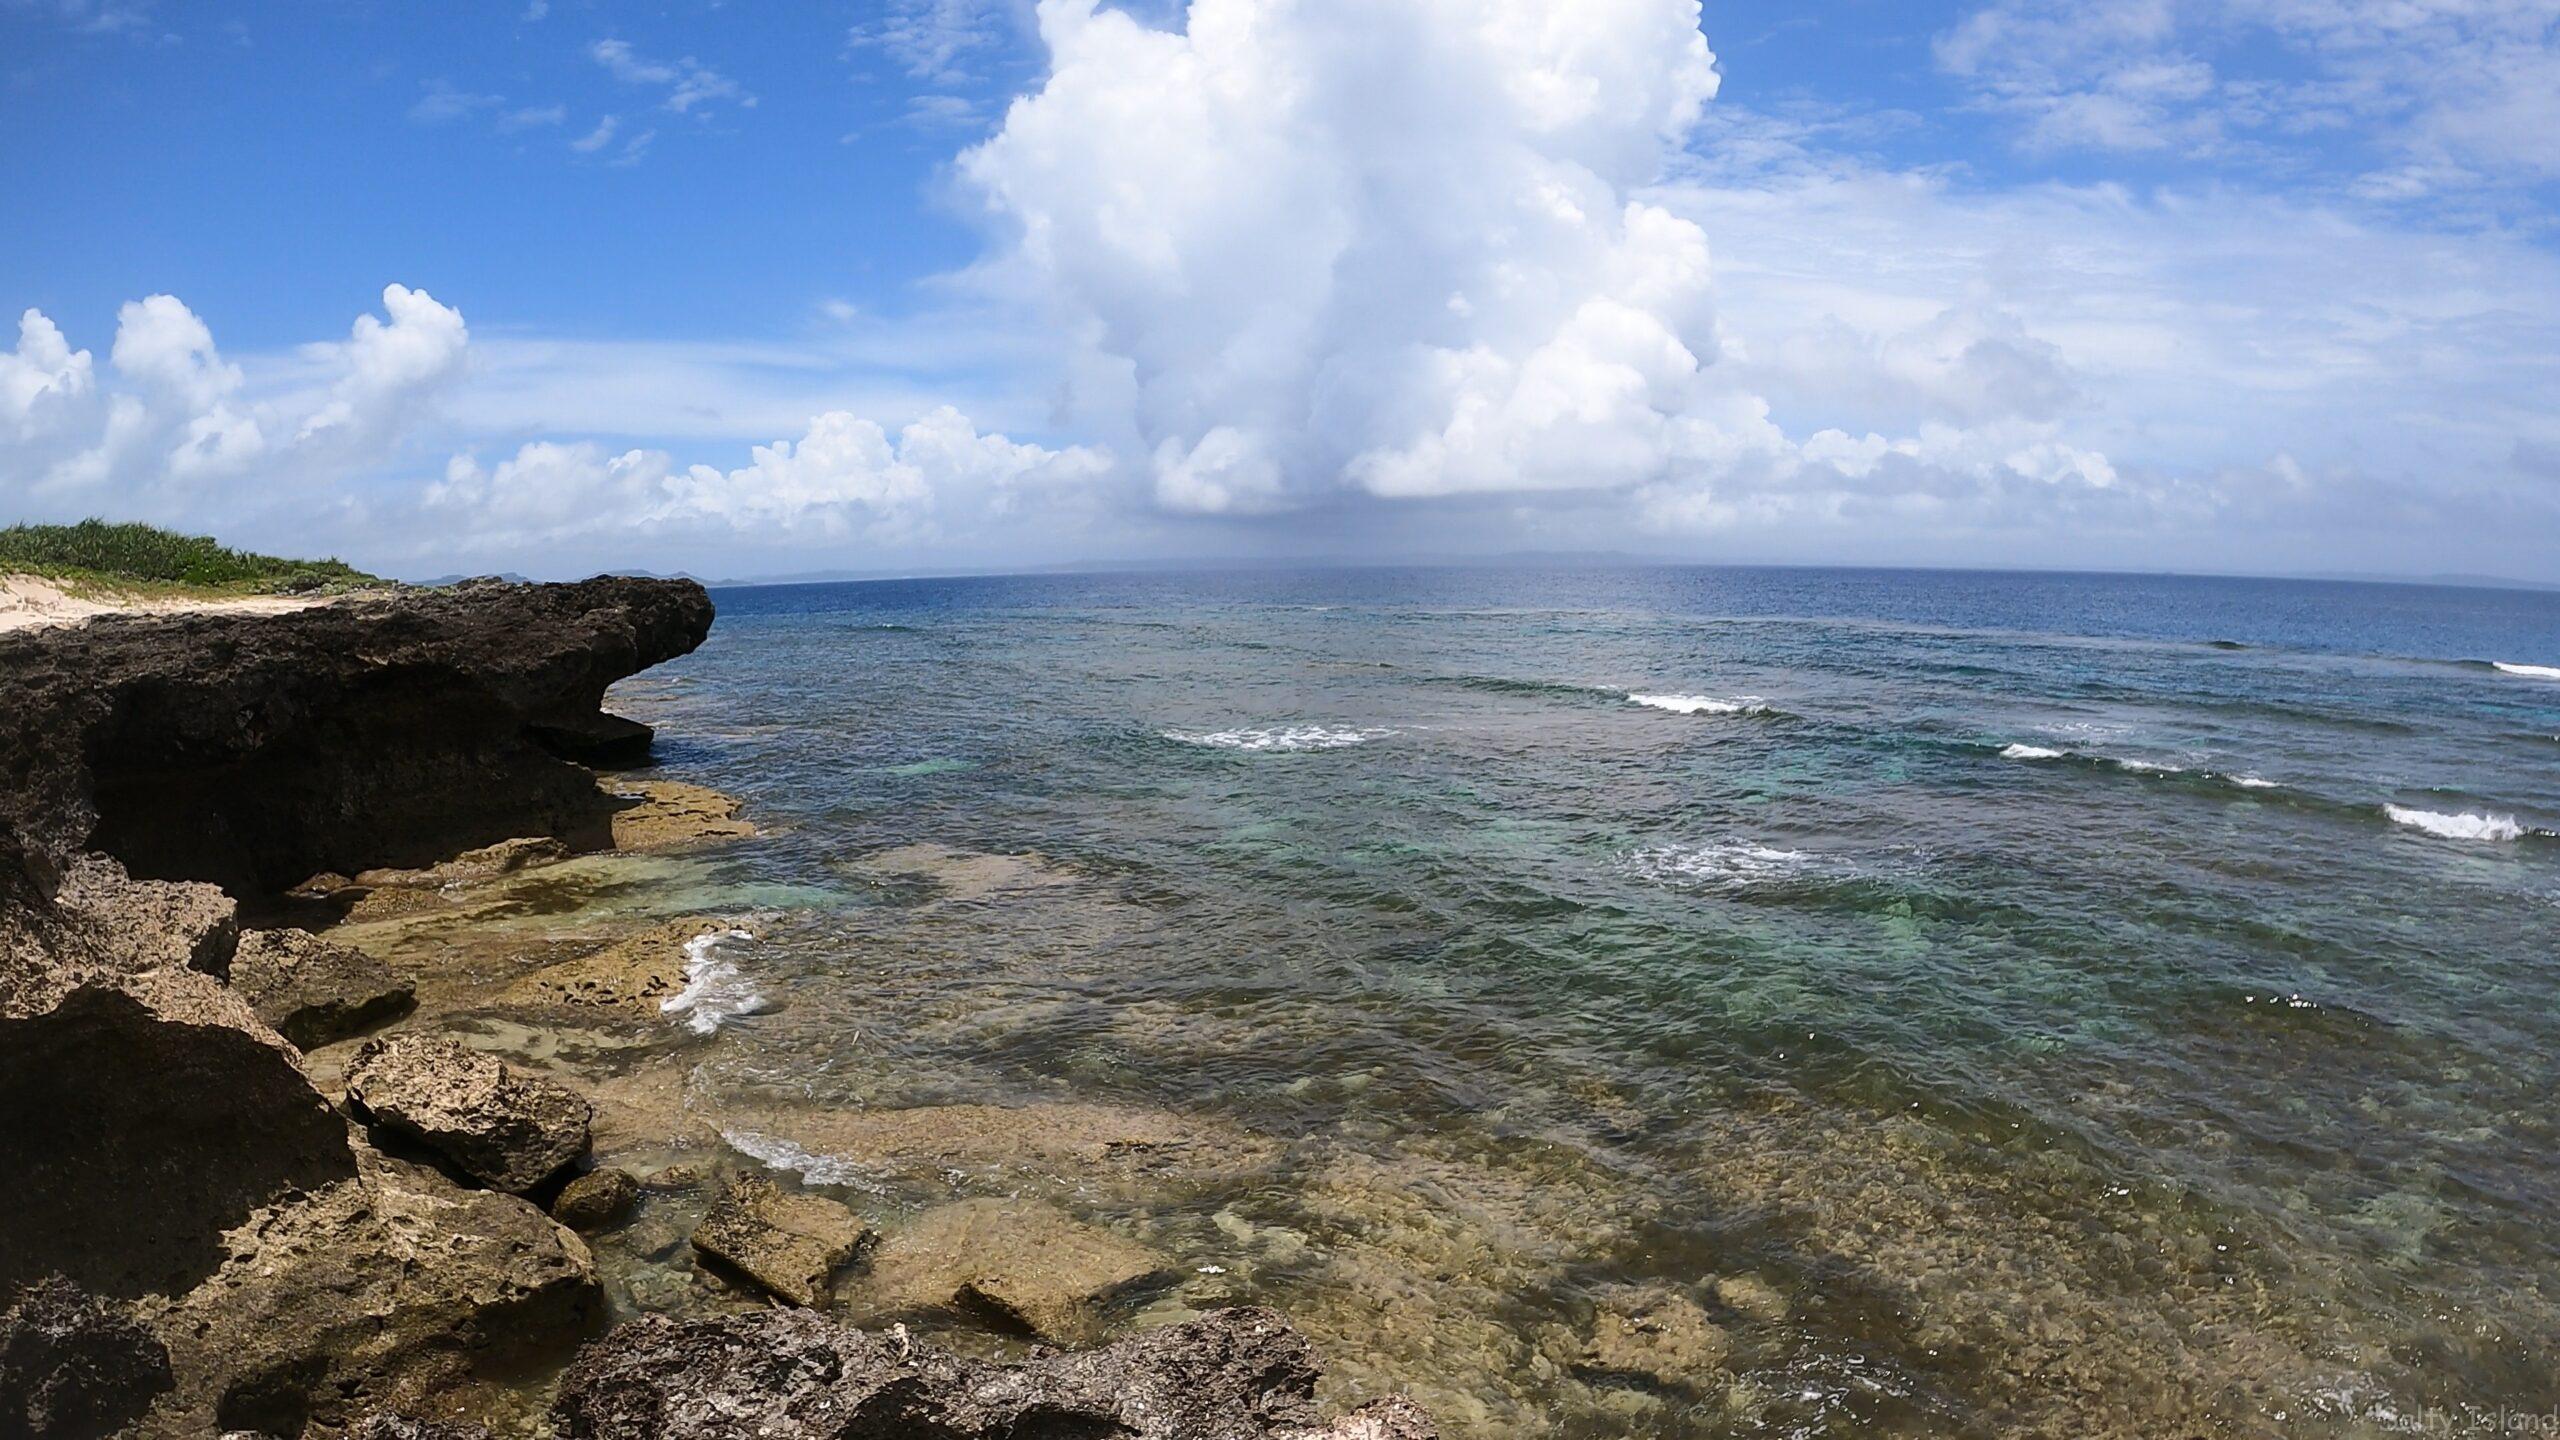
(1383, 244)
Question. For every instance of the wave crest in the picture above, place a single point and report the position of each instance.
(1281, 737)
(2531, 672)
(1703, 704)
(2456, 827)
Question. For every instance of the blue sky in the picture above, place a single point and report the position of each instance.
(2256, 285)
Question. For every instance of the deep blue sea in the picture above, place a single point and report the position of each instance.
(2003, 1003)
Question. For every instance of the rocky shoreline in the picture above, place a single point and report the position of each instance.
(270, 1184)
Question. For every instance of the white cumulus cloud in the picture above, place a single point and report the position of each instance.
(1384, 244)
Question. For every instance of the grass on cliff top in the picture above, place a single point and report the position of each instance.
(97, 555)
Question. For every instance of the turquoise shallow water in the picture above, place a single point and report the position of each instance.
(2093, 1005)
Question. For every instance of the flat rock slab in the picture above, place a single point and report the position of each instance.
(507, 1128)
(636, 974)
(663, 814)
(788, 1243)
(1030, 1266)
(313, 992)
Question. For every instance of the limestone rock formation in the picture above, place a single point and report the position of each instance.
(253, 751)
(1238, 1374)
(1026, 1265)
(790, 1244)
(505, 1127)
(314, 992)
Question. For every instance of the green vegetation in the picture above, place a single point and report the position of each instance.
(97, 554)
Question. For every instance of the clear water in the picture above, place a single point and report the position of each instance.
(2023, 976)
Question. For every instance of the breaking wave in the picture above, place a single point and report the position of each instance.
(2531, 672)
(1728, 864)
(715, 991)
(1703, 704)
(2457, 827)
(1283, 737)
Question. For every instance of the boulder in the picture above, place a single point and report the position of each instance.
(74, 1367)
(143, 1118)
(791, 1244)
(1028, 1265)
(1655, 1336)
(397, 1291)
(1238, 1374)
(508, 1128)
(101, 925)
(155, 923)
(313, 992)
(596, 1199)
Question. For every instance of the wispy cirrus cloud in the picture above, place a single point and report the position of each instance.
(2416, 97)
(687, 85)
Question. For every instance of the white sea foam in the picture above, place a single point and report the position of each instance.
(2251, 782)
(1734, 864)
(1701, 704)
(714, 991)
(780, 1154)
(2149, 767)
(2534, 672)
(2029, 752)
(1283, 737)
(2457, 827)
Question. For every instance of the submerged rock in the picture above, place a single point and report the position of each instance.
(788, 1243)
(1028, 1265)
(1654, 1336)
(1238, 1374)
(506, 1127)
(314, 992)
(596, 1199)
(73, 1367)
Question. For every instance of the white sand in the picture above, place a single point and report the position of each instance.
(26, 602)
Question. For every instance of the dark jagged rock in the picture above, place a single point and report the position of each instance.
(145, 1116)
(73, 1367)
(256, 750)
(314, 992)
(401, 1427)
(792, 1375)
(505, 1127)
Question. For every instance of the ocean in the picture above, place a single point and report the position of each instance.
(2000, 1003)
